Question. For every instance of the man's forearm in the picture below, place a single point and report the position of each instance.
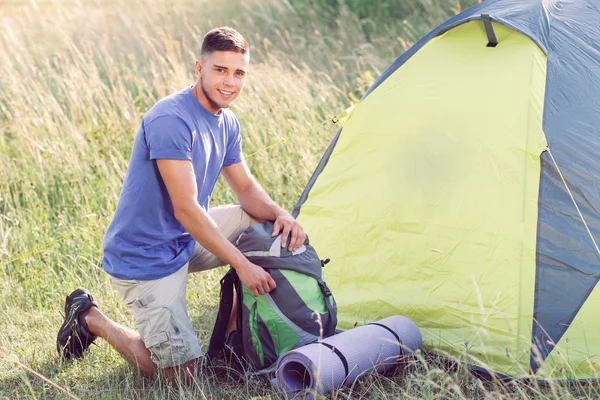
(257, 203)
(206, 232)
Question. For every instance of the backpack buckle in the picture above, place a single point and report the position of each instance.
(324, 289)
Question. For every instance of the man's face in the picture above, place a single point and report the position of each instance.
(221, 78)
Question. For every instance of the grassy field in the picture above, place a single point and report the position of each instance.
(75, 79)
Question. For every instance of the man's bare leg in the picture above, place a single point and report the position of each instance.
(126, 341)
(129, 344)
(232, 324)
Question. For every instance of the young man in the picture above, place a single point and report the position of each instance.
(163, 227)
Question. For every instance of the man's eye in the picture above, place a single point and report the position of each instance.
(240, 74)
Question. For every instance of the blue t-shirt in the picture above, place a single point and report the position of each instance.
(145, 241)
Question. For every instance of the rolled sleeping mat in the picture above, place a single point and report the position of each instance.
(319, 368)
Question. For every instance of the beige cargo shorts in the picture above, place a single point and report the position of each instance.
(159, 307)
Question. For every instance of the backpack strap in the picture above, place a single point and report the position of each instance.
(330, 305)
(217, 339)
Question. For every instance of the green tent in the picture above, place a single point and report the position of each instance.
(463, 191)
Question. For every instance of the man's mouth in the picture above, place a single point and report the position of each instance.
(225, 93)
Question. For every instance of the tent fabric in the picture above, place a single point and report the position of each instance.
(565, 334)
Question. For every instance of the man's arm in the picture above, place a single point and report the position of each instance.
(179, 178)
(256, 202)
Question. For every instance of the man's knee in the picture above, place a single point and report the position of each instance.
(255, 220)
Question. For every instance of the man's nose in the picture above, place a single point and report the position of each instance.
(229, 81)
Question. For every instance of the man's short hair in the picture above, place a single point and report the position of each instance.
(223, 39)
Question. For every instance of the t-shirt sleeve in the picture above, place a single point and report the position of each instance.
(169, 138)
(234, 153)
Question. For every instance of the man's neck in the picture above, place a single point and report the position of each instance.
(199, 95)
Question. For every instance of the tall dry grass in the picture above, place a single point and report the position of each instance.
(75, 79)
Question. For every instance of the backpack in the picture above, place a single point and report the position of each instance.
(299, 311)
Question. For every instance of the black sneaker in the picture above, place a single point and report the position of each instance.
(74, 337)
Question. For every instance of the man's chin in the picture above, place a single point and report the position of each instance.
(225, 103)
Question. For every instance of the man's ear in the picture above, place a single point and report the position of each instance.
(198, 68)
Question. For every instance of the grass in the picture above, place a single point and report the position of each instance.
(75, 79)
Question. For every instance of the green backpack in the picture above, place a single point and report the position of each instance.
(299, 311)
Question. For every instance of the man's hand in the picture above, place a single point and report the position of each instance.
(286, 224)
(255, 278)
(257, 203)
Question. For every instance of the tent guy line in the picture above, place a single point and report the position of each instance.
(574, 202)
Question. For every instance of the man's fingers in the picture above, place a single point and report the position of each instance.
(301, 237)
(284, 236)
(294, 240)
(292, 245)
(261, 285)
(276, 229)
(267, 283)
(266, 288)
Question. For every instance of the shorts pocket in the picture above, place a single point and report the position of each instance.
(161, 335)
(156, 339)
